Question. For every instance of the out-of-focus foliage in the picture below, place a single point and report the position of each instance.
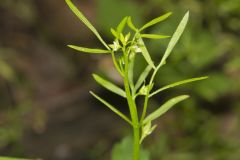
(12, 109)
(25, 7)
(15, 91)
(8, 132)
(124, 149)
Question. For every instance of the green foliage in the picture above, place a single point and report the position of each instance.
(114, 109)
(110, 86)
(130, 47)
(177, 34)
(142, 77)
(121, 25)
(164, 108)
(85, 21)
(124, 150)
(130, 24)
(155, 21)
(88, 50)
(176, 84)
(154, 36)
(144, 51)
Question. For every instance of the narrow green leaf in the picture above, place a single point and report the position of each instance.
(122, 38)
(89, 50)
(154, 36)
(114, 33)
(177, 84)
(111, 107)
(145, 52)
(110, 86)
(164, 108)
(121, 25)
(156, 20)
(85, 21)
(127, 37)
(130, 24)
(177, 34)
(142, 77)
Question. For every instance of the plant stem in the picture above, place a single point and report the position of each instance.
(147, 95)
(144, 107)
(116, 64)
(136, 142)
(133, 110)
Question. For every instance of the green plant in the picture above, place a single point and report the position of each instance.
(124, 50)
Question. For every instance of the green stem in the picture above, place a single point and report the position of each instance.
(136, 143)
(155, 72)
(116, 64)
(147, 95)
(131, 68)
(133, 110)
(145, 107)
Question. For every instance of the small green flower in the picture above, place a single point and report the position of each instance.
(136, 49)
(115, 46)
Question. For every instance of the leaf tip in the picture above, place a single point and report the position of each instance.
(204, 77)
(187, 14)
(170, 13)
(94, 75)
(185, 97)
(71, 46)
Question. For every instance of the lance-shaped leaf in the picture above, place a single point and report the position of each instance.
(85, 21)
(145, 52)
(114, 33)
(177, 34)
(164, 108)
(142, 77)
(130, 24)
(111, 107)
(156, 20)
(121, 25)
(154, 36)
(177, 84)
(89, 50)
(108, 85)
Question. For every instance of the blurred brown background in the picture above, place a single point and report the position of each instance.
(47, 112)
